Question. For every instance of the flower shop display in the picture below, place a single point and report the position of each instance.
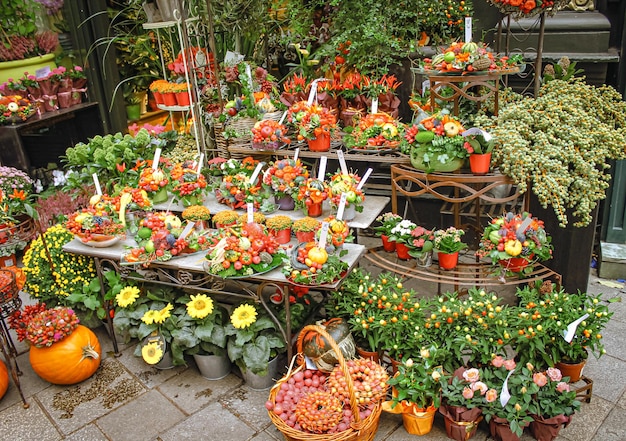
(61, 350)
(341, 183)
(311, 265)
(155, 183)
(311, 193)
(188, 185)
(15, 109)
(401, 235)
(435, 143)
(479, 146)
(387, 222)
(268, 134)
(416, 390)
(280, 227)
(284, 177)
(515, 241)
(305, 229)
(314, 123)
(469, 57)
(253, 340)
(346, 404)
(448, 243)
(233, 254)
(96, 225)
(375, 131)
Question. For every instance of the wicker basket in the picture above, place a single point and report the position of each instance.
(360, 430)
(221, 143)
(9, 293)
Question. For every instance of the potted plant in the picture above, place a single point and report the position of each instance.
(341, 183)
(435, 143)
(61, 350)
(421, 246)
(254, 344)
(375, 131)
(257, 218)
(515, 241)
(225, 218)
(416, 390)
(448, 243)
(311, 193)
(314, 123)
(284, 178)
(387, 222)
(199, 214)
(401, 236)
(478, 144)
(188, 185)
(280, 227)
(305, 228)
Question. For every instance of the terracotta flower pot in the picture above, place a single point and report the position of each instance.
(402, 251)
(572, 370)
(388, 245)
(514, 264)
(480, 164)
(448, 261)
(169, 99)
(305, 236)
(372, 355)
(282, 236)
(313, 210)
(182, 98)
(461, 423)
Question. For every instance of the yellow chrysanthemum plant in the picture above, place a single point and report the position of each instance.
(253, 338)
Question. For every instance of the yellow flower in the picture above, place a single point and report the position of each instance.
(163, 314)
(152, 353)
(243, 316)
(200, 306)
(150, 316)
(127, 296)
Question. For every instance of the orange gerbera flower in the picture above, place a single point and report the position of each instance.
(18, 194)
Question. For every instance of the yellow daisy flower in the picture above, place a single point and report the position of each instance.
(163, 314)
(127, 296)
(149, 317)
(152, 353)
(243, 316)
(200, 306)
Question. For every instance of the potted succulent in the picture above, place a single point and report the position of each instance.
(448, 244)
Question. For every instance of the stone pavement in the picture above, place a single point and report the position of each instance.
(128, 400)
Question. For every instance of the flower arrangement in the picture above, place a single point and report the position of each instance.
(237, 190)
(153, 181)
(43, 327)
(527, 8)
(338, 231)
(16, 192)
(311, 191)
(555, 397)
(188, 184)
(448, 241)
(278, 223)
(305, 224)
(312, 121)
(469, 57)
(93, 222)
(435, 140)
(387, 222)
(157, 239)
(257, 217)
(15, 108)
(401, 232)
(466, 388)
(268, 133)
(225, 218)
(285, 176)
(518, 236)
(375, 131)
(417, 385)
(422, 242)
(253, 338)
(196, 213)
(311, 264)
(346, 183)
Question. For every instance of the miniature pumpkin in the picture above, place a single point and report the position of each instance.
(4, 379)
(318, 349)
(69, 361)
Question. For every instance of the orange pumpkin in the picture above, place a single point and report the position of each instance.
(4, 379)
(69, 361)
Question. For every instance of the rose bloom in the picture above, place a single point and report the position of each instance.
(509, 365)
(497, 361)
(479, 385)
(563, 387)
(471, 375)
(436, 375)
(554, 374)
(491, 395)
(468, 393)
(540, 379)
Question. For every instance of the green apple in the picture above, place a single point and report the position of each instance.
(449, 57)
(149, 246)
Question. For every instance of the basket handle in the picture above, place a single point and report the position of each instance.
(342, 363)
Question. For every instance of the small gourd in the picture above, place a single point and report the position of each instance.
(319, 350)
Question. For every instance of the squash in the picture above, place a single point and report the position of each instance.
(4, 379)
(319, 350)
(69, 361)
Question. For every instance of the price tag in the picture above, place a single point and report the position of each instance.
(256, 172)
(43, 72)
(322, 170)
(157, 157)
(282, 118)
(187, 230)
(200, 161)
(570, 332)
(250, 208)
(505, 395)
(375, 105)
(323, 235)
(295, 155)
(96, 182)
(249, 73)
(425, 86)
(312, 93)
(342, 162)
(341, 207)
(468, 29)
(364, 178)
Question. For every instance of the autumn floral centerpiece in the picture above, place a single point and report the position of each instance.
(285, 176)
(14, 109)
(311, 194)
(469, 57)
(305, 228)
(155, 182)
(528, 8)
(312, 122)
(341, 183)
(188, 185)
(268, 134)
(96, 223)
(235, 189)
(375, 131)
(514, 241)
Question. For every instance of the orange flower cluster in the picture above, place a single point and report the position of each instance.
(311, 121)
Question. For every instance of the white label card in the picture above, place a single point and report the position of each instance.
(295, 155)
(96, 182)
(375, 105)
(200, 161)
(187, 230)
(256, 172)
(322, 170)
(342, 206)
(250, 208)
(477, 131)
(505, 395)
(468, 29)
(249, 73)
(312, 93)
(570, 332)
(282, 118)
(425, 86)
(156, 159)
(323, 235)
(43, 72)
(342, 162)
(365, 177)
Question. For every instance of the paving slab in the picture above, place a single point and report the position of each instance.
(17, 423)
(88, 433)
